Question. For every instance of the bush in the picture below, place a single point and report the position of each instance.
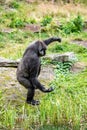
(14, 4)
(74, 25)
(46, 20)
(31, 20)
(17, 22)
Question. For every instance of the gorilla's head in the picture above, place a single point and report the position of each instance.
(41, 48)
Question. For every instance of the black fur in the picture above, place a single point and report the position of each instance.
(30, 66)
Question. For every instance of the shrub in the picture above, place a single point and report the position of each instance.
(17, 22)
(10, 15)
(46, 20)
(31, 20)
(14, 4)
(74, 25)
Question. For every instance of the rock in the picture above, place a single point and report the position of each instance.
(47, 73)
(33, 27)
(80, 42)
(30, 1)
(7, 30)
(69, 56)
(78, 67)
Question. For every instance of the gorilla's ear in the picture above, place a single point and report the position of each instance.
(42, 49)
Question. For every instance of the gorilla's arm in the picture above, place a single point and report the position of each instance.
(52, 39)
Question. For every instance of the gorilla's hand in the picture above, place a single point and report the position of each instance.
(58, 39)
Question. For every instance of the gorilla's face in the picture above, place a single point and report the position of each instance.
(42, 52)
(42, 49)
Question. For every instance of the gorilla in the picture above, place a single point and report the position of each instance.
(29, 68)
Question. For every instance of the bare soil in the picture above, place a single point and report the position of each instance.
(8, 76)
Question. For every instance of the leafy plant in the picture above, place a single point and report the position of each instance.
(10, 15)
(17, 22)
(14, 4)
(64, 67)
(2, 21)
(31, 20)
(46, 20)
(74, 25)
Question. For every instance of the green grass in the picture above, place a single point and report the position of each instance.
(66, 107)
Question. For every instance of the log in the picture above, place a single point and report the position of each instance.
(8, 63)
(69, 56)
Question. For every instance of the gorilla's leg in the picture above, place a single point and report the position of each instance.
(30, 96)
(31, 90)
(37, 84)
(24, 81)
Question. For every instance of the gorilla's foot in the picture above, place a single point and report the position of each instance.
(33, 102)
(48, 90)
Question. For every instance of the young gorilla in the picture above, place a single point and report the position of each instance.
(29, 68)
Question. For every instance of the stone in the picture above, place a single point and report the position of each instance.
(33, 28)
(30, 1)
(78, 67)
(7, 30)
(80, 42)
(69, 56)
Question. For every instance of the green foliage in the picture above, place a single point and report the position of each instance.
(64, 67)
(81, 1)
(2, 44)
(2, 21)
(10, 15)
(31, 20)
(46, 20)
(67, 47)
(17, 22)
(50, 127)
(74, 25)
(14, 4)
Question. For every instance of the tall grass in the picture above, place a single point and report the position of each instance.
(66, 106)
